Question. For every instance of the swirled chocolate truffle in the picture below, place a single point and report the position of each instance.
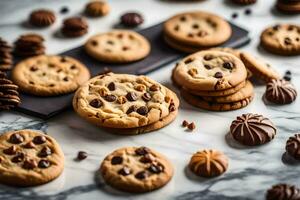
(208, 163)
(293, 146)
(252, 129)
(283, 192)
(280, 92)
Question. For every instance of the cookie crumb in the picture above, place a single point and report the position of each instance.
(82, 155)
(191, 126)
(185, 123)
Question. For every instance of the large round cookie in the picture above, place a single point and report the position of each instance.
(137, 170)
(283, 39)
(49, 75)
(123, 101)
(210, 71)
(29, 158)
(119, 46)
(197, 29)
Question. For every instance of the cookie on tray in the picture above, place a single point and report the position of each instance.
(119, 46)
(29, 158)
(136, 169)
(282, 39)
(47, 75)
(123, 101)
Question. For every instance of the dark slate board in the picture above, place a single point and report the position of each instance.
(161, 54)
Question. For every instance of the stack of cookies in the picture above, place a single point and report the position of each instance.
(126, 104)
(194, 31)
(213, 80)
(29, 45)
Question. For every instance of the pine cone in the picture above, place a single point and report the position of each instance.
(6, 60)
(9, 96)
(29, 45)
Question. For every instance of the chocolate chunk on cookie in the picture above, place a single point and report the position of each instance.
(119, 46)
(141, 170)
(49, 75)
(128, 108)
(23, 166)
(282, 39)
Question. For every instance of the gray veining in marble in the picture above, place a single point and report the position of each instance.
(251, 170)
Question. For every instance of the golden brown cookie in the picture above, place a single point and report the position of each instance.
(198, 29)
(123, 101)
(136, 169)
(97, 8)
(29, 158)
(199, 102)
(208, 163)
(119, 46)
(49, 75)
(259, 68)
(282, 39)
(243, 93)
(209, 71)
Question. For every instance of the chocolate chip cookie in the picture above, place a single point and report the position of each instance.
(29, 158)
(123, 101)
(119, 46)
(49, 75)
(282, 39)
(210, 71)
(136, 169)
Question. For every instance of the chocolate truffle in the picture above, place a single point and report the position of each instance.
(293, 146)
(252, 129)
(280, 92)
(283, 192)
(208, 163)
(74, 27)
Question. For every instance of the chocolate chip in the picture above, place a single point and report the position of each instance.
(63, 59)
(287, 78)
(146, 97)
(29, 145)
(191, 126)
(154, 88)
(131, 109)
(46, 151)
(82, 155)
(147, 158)
(96, 103)
(143, 110)
(185, 123)
(141, 175)
(276, 27)
(16, 138)
(189, 60)
(44, 164)
(11, 150)
(183, 18)
(190, 35)
(39, 139)
(124, 171)
(73, 67)
(208, 57)
(172, 107)
(131, 96)
(234, 15)
(66, 79)
(207, 66)
(111, 86)
(227, 65)
(290, 28)
(125, 48)
(248, 11)
(116, 160)
(18, 158)
(176, 28)
(287, 41)
(218, 75)
(195, 26)
(110, 98)
(29, 164)
(202, 33)
(64, 10)
(33, 68)
(142, 151)
(110, 42)
(156, 168)
(288, 72)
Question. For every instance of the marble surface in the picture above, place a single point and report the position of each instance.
(251, 170)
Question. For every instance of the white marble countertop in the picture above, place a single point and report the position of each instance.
(251, 170)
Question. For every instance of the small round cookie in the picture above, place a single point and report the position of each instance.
(199, 29)
(210, 70)
(259, 68)
(244, 93)
(214, 106)
(293, 146)
(282, 39)
(42, 18)
(97, 8)
(29, 158)
(49, 75)
(244, 2)
(288, 6)
(208, 163)
(123, 101)
(283, 192)
(136, 169)
(149, 128)
(119, 46)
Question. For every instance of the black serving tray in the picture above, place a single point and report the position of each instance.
(160, 55)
